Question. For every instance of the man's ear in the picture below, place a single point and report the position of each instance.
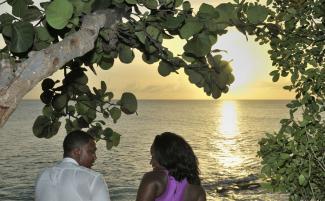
(76, 153)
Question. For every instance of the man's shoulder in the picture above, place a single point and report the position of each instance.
(88, 171)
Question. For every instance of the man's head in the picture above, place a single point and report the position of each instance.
(80, 146)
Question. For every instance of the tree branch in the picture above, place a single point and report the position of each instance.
(18, 79)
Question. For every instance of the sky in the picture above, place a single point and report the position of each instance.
(250, 62)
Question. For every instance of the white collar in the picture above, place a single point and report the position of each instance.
(69, 160)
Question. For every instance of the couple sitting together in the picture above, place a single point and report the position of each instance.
(175, 174)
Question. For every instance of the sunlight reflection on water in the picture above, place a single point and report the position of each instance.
(229, 122)
(227, 132)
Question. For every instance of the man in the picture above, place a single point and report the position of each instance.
(72, 179)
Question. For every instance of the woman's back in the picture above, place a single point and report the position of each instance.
(174, 190)
(162, 187)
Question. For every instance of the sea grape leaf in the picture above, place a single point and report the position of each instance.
(115, 113)
(58, 13)
(22, 37)
(190, 28)
(256, 14)
(19, 8)
(165, 68)
(126, 55)
(32, 14)
(198, 45)
(59, 101)
(39, 126)
(128, 103)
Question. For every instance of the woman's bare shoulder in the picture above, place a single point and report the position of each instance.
(154, 175)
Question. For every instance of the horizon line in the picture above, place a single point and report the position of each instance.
(156, 99)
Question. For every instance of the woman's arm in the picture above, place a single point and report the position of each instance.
(148, 187)
(202, 196)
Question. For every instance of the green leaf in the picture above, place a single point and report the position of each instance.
(268, 2)
(53, 129)
(78, 6)
(6, 19)
(302, 180)
(46, 97)
(173, 22)
(82, 107)
(95, 131)
(116, 2)
(128, 103)
(207, 11)
(109, 144)
(190, 28)
(198, 45)
(7, 31)
(187, 6)
(47, 84)
(19, 8)
(132, 2)
(32, 14)
(59, 101)
(165, 68)
(48, 111)
(227, 13)
(151, 4)
(194, 76)
(126, 55)
(276, 77)
(22, 37)
(153, 32)
(216, 92)
(256, 14)
(39, 45)
(100, 4)
(116, 138)
(43, 35)
(141, 36)
(178, 3)
(108, 133)
(90, 116)
(39, 126)
(149, 58)
(106, 63)
(103, 86)
(58, 13)
(115, 113)
(44, 4)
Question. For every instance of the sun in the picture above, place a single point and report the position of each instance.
(244, 58)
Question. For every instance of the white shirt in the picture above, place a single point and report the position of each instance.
(68, 181)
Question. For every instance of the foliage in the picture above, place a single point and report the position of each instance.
(294, 157)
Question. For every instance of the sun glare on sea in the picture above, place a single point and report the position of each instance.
(227, 130)
(228, 124)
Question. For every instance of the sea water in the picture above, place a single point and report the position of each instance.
(223, 134)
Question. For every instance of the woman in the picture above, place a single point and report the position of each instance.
(175, 174)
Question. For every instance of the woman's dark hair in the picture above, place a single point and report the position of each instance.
(75, 139)
(176, 155)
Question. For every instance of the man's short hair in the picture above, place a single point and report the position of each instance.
(75, 139)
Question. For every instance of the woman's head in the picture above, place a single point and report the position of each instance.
(173, 153)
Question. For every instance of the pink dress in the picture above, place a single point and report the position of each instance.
(174, 190)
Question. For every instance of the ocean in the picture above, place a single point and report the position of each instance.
(223, 134)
